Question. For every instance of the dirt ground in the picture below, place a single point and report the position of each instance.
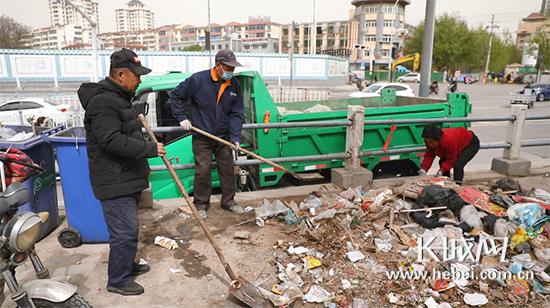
(199, 279)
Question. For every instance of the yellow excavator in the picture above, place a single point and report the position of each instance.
(415, 57)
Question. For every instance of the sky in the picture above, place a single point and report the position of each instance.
(508, 13)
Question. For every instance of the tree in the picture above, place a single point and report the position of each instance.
(193, 48)
(457, 47)
(540, 46)
(11, 33)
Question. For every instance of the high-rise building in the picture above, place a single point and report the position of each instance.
(332, 38)
(380, 28)
(135, 17)
(62, 13)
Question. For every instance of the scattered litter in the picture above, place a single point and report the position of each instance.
(312, 262)
(393, 298)
(241, 235)
(462, 274)
(355, 256)
(317, 294)
(176, 270)
(360, 303)
(166, 242)
(270, 209)
(382, 245)
(297, 250)
(525, 214)
(346, 284)
(475, 299)
(248, 209)
(291, 218)
(142, 261)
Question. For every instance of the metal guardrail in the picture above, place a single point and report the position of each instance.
(338, 156)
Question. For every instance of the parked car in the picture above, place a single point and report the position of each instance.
(17, 111)
(540, 90)
(376, 90)
(410, 77)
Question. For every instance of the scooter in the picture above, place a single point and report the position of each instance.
(19, 232)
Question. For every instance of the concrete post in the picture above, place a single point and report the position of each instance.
(353, 174)
(514, 132)
(354, 136)
(511, 163)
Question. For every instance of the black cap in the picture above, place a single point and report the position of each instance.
(227, 57)
(126, 58)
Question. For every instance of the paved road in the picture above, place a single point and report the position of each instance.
(493, 100)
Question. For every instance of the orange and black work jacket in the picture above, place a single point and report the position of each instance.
(216, 105)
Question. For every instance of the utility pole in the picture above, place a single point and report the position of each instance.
(291, 52)
(427, 49)
(93, 24)
(207, 38)
(492, 27)
(314, 29)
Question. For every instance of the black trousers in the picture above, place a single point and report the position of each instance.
(463, 158)
(121, 216)
(202, 187)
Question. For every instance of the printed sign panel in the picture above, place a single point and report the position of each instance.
(249, 64)
(310, 68)
(33, 66)
(332, 68)
(76, 66)
(343, 68)
(3, 68)
(163, 64)
(276, 67)
(197, 64)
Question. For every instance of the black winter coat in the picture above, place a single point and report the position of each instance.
(117, 150)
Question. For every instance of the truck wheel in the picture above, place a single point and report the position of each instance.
(75, 301)
(69, 238)
(540, 97)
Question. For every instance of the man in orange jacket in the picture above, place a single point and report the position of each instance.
(455, 147)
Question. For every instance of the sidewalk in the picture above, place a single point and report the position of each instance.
(202, 281)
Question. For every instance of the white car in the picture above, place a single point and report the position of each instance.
(410, 77)
(18, 111)
(376, 89)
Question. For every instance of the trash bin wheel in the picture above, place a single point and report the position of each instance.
(69, 238)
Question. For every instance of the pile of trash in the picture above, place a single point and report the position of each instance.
(427, 243)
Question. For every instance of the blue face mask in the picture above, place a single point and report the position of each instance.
(227, 75)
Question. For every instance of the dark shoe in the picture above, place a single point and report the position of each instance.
(132, 289)
(140, 269)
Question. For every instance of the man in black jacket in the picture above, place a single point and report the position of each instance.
(117, 158)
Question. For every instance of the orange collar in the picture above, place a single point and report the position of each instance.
(224, 85)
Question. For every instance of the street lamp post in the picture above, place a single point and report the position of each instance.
(207, 38)
(93, 24)
(395, 21)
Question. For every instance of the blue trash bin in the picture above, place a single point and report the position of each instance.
(42, 187)
(84, 211)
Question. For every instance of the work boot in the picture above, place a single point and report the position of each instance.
(132, 289)
(140, 269)
(202, 214)
(234, 208)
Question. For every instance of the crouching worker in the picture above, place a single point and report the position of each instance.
(455, 147)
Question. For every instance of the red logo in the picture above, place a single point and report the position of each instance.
(136, 60)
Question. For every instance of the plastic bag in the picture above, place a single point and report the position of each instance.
(502, 200)
(507, 184)
(525, 214)
(436, 196)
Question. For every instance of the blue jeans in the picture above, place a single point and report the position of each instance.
(122, 220)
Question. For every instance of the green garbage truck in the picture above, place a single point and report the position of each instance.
(153, 94)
